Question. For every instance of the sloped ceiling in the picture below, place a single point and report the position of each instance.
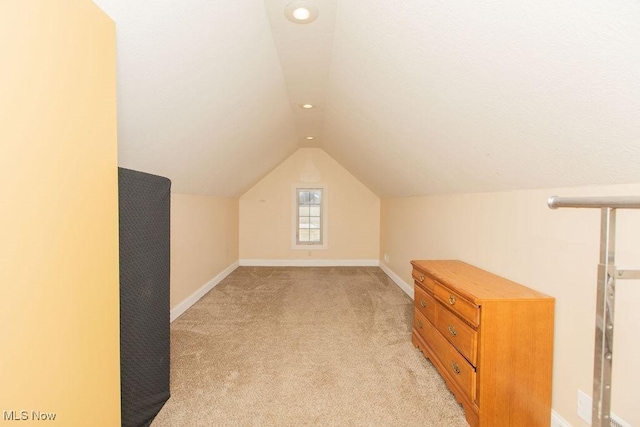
(201, 95)
(413, 97)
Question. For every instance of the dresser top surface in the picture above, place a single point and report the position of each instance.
(475, 283)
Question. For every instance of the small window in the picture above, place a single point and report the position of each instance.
(309, 216)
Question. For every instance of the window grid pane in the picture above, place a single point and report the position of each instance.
(309, 216)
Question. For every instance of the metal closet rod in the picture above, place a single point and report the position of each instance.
(626, 202)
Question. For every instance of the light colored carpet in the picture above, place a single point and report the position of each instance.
(303, 346)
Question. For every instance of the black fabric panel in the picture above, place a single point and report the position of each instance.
(144, 203)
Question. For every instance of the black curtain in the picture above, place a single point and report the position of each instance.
(144, 204)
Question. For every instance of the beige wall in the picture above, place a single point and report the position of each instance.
(266, 212)
(59, 316)
(204, 241)
(515, 235)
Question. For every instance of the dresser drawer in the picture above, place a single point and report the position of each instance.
(424, 303)
(456, 366)
(462, 336)
(457, 303)
(424, 280)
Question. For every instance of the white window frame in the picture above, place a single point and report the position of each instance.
(324, 223)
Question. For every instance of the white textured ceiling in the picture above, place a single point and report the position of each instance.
(305, 55)
(201, 95)
(414, 97)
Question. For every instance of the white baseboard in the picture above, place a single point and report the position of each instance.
(558, 421)
(194, 297)
(407, 288)
(309, 262)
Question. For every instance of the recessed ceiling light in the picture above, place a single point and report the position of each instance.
(301, 12)
(310, 138)
(307, 106)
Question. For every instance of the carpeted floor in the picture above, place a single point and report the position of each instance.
(303, 346)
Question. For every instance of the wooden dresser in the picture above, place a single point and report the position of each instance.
(490, 338)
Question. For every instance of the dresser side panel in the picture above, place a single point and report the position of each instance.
(515, 362)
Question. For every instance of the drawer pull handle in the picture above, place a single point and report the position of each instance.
(422, 277)
(420, 324)
(452, 330)
(452, 299)
(455, 367)
(422, 303)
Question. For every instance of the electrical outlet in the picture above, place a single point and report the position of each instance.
(584, 406)
(584, 411)
(386, 258)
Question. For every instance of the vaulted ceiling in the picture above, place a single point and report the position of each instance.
(413, 97)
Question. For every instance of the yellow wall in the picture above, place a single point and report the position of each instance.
(266, 212)
(204, 241)
(59, 316)
(515, 235)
